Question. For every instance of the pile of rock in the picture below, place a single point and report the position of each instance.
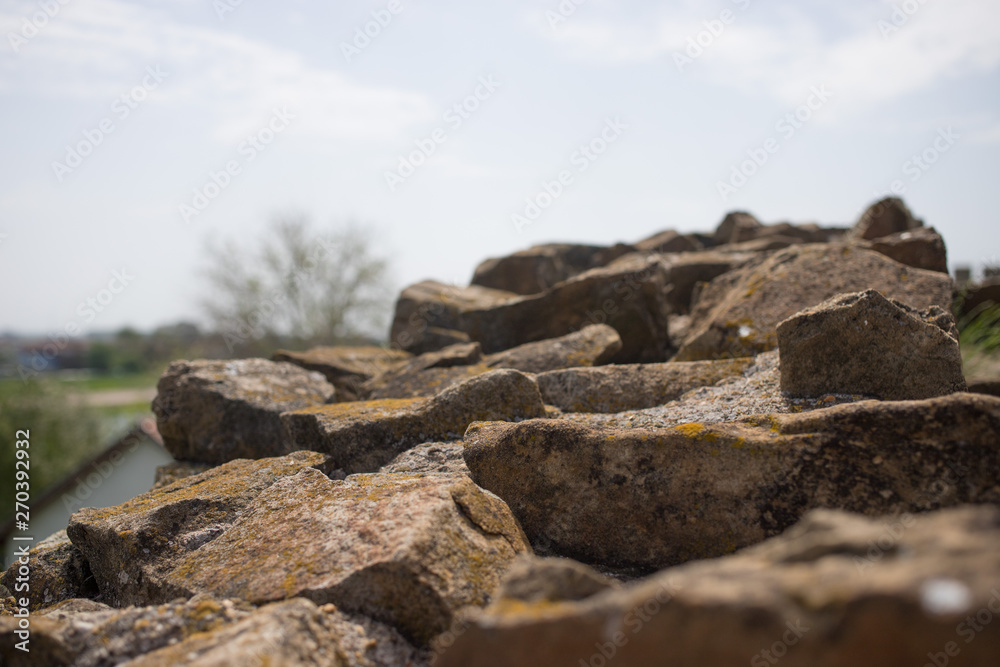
(699, 449)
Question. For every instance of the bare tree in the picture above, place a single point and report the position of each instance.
(297, 287)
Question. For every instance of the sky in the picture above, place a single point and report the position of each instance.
(132, 133)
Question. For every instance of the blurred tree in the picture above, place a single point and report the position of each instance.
(297, 288)
(100, 357)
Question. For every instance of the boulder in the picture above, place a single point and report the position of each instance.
(538, 268)
(670, 241)
(630, 298)
(884, 218)
(57, 571)
(921, 247)
(736, 315)
(217, 411)
(406, 549)
(345, 367)
(593, 345)
(429, 312)
(534, 579)
(128, 544)
(863, 343)
(631, 386)
(649, 498)
(736, 227)
(430, 457)
(422, 383)
(685, 272)
(837, 589)
(171, 472)
(364, 436)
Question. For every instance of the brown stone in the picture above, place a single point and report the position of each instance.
(57, 572)
(429, 312)
(345, 367)
(217, 411)
(921, 247)
(538, 268)
(884, 218)
(863, 343)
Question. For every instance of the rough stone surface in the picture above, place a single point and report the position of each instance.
(422, 383)
(430, 457)
(824, 594)
(426, 311)
(127, 544)
(670, 241)
(538, 268)
(364, 436)
(921, 247)
(58, 572)
(646, 499)
(217, 411)
(533, 579)
(686, 271)
(737, 226)
(863, 343)
(737, 313)
(436, 338)
(346, 368)
(171, 472)
(628, 297)
(884, 218)
(593, 345)
(618, 388)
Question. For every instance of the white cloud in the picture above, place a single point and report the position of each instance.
(99, 49)
(783, 50)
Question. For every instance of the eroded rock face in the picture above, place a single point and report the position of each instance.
(217, 411)
(631, 386)
(921, 247)
(430, 457)
(737, 313)
(736, 227)
(540, 267)
(670, 241)
(628, 297)
(837, 589)
(128, 546)
(884, 218)
(57, 572)
(364, 436)
(593, 345)
(346, 368)
(427, 311)
(648, 498)
(863, 343)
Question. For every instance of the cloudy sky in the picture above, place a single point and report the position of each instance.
(131, 132)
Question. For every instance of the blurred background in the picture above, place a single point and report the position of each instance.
(170, 166)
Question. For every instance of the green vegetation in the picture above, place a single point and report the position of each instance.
(980, 329)
(63, 434)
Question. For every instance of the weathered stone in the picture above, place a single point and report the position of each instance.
(57, 571)
(345, 367)
(990, 386)
(422, 383)
(836, 589)
(977, 298)
(863, 343)
(432, 339)
(593, 345)
(538, 268)
(631, 386)
(686, 271)
(433, 305)
(430, 457)
(737, 313)
(177, 470)
(921, 247)
(736, 227)
(533, 579)
(364, 436)
(71, 635)
(648, 498)
(670, 241)
(884, 218)
(628, 297)
(217, 411)
(127, 544)
(294, 633)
